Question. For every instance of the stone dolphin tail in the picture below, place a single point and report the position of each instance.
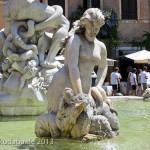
(31, 30)
(44, 16)
(18, 39)
(44, 24)
(8, 45)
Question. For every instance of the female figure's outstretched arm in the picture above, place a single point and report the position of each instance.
(73, 48)
(102, 68)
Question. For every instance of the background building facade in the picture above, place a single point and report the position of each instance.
(134, 14)
(134, 19)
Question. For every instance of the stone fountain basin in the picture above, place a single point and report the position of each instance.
(24, 104)
(27, 104)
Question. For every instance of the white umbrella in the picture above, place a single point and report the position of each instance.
(110, 62)
(140, 56)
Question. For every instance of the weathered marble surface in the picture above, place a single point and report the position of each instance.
(76, 117)
(29, 53)
(33, 79)
(81, 109)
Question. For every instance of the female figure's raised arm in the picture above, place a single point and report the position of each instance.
(102, 68)
(72, 53)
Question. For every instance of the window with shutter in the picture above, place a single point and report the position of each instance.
(57, 2)
(91, 3)
(129, 9)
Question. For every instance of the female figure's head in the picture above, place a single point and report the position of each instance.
(90, 23)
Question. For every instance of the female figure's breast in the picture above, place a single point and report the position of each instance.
(89, 56)
(90, 53)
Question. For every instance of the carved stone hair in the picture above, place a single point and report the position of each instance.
(91, 14)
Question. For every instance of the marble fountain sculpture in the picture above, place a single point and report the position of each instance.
(75, 109)
(29, 55)
(32, 77)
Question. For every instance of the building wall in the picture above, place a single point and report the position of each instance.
(1, 16)
(134, 29)
(113, 5)
(145, 9)
(73, 4)
(128, 29)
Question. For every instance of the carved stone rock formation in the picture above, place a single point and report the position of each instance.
(27, 69)
(76, 118)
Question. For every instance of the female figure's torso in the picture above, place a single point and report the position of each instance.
(89, 56)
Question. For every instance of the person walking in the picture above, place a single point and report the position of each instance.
(144, 78)
(115, 78)
(133, 79)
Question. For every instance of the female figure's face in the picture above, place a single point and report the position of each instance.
(91, 30)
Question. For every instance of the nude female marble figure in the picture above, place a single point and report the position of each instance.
(82, 52)
(75, 108)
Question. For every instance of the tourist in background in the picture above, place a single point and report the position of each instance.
(115, 78)
(1, 74)
(139, 89)
(144, 77)
(133, 79)
(128, 90)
